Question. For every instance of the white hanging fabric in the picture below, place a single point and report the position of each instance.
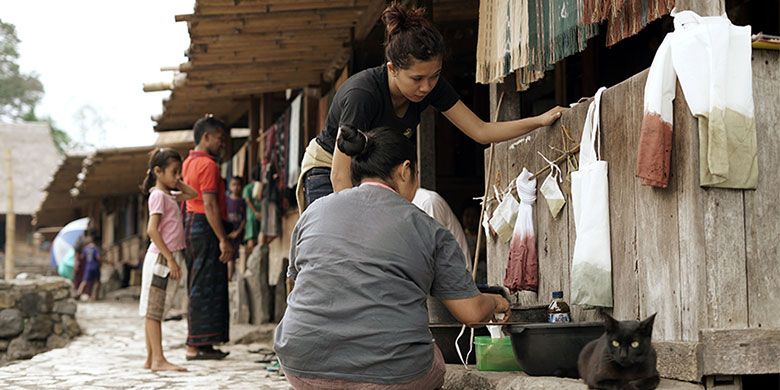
(712, 60)
(522, 270)
(591, 269)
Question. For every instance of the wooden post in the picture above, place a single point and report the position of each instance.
(254, 131)
(264, 312)
(10, 219)
(702, 7)
(426, 149)
(426, 131)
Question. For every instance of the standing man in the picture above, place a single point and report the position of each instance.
(208, 246)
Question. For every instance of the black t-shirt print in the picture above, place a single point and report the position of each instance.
(364, 102)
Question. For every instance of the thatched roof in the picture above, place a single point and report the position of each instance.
(34, 159)
(58, 207)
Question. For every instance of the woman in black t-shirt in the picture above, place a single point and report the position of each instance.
(394, 95)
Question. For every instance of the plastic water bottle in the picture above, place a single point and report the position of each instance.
(558, 311)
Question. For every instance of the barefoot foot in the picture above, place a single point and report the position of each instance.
(167, 366)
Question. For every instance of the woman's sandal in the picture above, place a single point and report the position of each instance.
(207, 355)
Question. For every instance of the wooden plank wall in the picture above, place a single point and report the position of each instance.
(700, 258)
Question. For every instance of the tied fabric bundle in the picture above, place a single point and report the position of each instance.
(711, 57)
(522, 272)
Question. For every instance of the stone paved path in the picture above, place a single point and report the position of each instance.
(111, 352)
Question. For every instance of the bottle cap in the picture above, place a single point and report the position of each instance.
(557, 294)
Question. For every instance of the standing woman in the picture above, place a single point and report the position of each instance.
(394, 95)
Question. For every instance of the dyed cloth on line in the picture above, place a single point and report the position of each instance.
(538, 34)
(625, 17)
(712, 60)
(208, 314)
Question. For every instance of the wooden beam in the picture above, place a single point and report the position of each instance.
(313, 13)
(293, 22)
(679, 360)
(200, 93)
(289, 51)
(235, 39)
(271, 6)
(249, 66)
(260, 58)
(363, 27)
(247, 79)
(368, 19)
(740, 351)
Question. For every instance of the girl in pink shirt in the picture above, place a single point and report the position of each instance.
(165, 258)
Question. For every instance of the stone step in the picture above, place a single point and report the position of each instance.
(458, 378)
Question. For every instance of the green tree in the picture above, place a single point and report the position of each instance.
(62, 140)
(19, 92)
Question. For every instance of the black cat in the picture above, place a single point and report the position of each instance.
(622, 358)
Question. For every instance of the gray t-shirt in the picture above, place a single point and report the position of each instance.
(364, 261)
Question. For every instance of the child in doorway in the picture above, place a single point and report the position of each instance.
(164, 260)
(236, 211)
(253, 202)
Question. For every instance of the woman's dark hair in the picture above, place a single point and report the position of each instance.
(160, 157)
(410, 36)
(375, 152)
(208, 123)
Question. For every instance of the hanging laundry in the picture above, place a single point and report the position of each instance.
(239, 162)
(625, 17)
(591, 268)
(522, 269)
(712, 60)
(504, 216)
(294, 158)
(528, 37)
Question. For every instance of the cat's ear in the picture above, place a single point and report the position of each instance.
(610, 323)
(646, 326)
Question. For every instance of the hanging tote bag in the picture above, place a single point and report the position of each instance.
(591, 268)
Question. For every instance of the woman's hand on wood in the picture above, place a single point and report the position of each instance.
(549, 117)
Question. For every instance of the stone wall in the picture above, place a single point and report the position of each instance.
(35, 316)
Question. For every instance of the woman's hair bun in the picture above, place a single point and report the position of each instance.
(398, 18)
(352, 141)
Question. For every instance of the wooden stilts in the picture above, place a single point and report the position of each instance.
(10, 219)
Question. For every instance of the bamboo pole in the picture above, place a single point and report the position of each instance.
(10, 220)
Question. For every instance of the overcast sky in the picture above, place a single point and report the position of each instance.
(93, 57)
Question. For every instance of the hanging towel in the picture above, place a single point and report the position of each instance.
(655, 137)
(293, 161)
(522, 271)
(712, 59)
(591, 268)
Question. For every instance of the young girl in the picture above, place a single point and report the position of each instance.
(165, 259)
(236, 209)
